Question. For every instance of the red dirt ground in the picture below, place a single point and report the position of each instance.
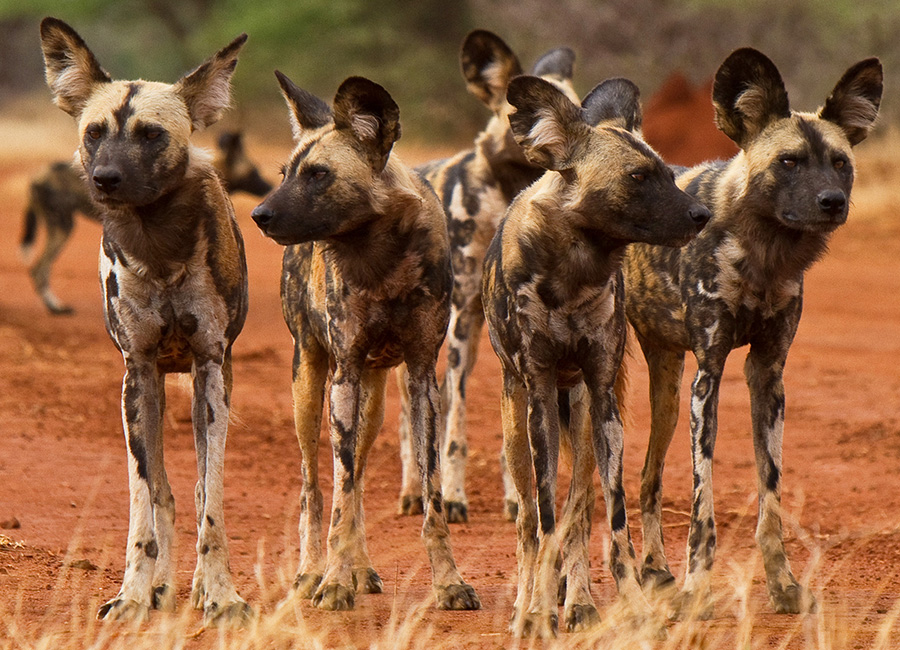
(63, 476)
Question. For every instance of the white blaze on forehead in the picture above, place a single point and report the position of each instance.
(144, 101)
(157, 103)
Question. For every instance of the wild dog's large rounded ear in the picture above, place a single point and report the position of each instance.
(71, 69)
(487, 66)
(615, 100)
(207, 89)
(371, 115)
(748, 94)
(547, 125)
(854, 102)
(558, 63)
(308, 112)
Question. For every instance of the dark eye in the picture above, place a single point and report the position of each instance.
(839, 163)
(789, 163)
(640, 177)
(94, 134)
(318, 174)
(152, 134)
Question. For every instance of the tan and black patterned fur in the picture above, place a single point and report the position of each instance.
(475, 187)
(365, 286)
(552, 293)
(60, 192)
(174, 285)
(740, 282)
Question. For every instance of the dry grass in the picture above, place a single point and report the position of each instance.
(742, 622)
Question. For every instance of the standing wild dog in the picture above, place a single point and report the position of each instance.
(174, 285)
(740, 282)
(556, 317)
(61, 191)
(365, 286)
(476, 186)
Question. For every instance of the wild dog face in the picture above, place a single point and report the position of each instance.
(800, 166)
(134, 134)
(330, 183)
(238, 172)
(611, 182)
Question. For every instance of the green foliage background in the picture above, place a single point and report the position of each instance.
(411, 46)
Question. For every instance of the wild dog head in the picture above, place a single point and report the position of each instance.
(614, 183)
(332, 183)
(488, 65)
(134, 134)
(799, 166)
(238, 172)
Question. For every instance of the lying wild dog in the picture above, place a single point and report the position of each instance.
(174, 285)
(556, 317)
(740, 282)
(365, 286)
(60, 191)
(475, 187)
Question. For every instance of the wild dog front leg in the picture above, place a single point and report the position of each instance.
(213, 589)
(149, 493)
(410, 487)
(451, 592)
(575, 525)
(543, 437)
(696, 597)
(371, 416)
(336, 591)
(763, 370)
(516, 449)
(608, 439)
(310, 371)
(665, 369)
(163, 519)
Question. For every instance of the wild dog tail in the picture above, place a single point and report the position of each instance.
(29, 232)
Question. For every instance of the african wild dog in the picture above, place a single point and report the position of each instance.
(476, 186)
(61, 191)
(365, 286)
(556, 317)
(740, 282)
(174, 285)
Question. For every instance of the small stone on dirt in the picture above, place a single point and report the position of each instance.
(10, 524)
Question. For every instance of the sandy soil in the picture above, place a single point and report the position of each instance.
(63, 476)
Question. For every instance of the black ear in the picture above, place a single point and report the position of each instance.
(854, 102)
(616, 100)
(71, 69)
(308, 112)
(547, 125)
(207, 89)
(748, 94)
(487, 66)
(370, 114)
(559, 63)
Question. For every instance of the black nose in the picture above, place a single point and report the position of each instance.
(262, 215)
(700, 215)
(106, 179)
(832, 202)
